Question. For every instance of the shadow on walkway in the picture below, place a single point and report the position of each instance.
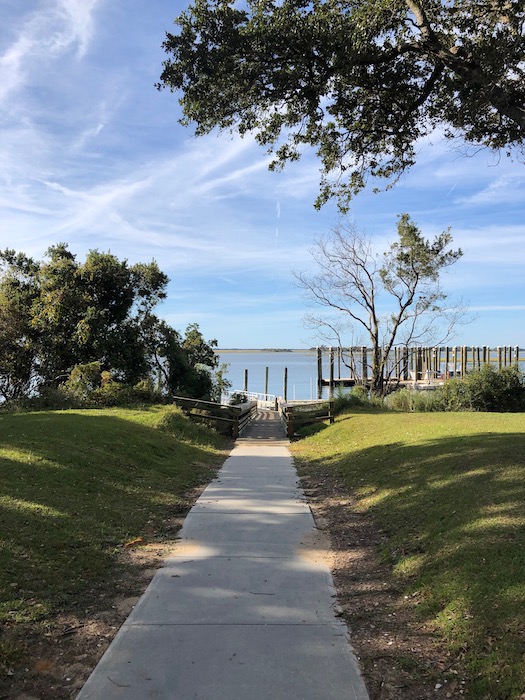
(245, 607)
(266, 426)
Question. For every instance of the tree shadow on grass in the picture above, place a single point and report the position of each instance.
(75, 487)
(312, 429)
(453, 511)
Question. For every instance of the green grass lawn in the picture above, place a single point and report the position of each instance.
(75, 487)
(449, 491)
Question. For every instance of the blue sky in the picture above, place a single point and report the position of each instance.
(93, 155)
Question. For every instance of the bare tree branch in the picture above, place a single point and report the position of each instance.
(394, 298)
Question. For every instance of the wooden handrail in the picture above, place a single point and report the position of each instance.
(297, 413)
(235, 417)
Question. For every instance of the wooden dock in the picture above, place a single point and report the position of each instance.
(418, 366)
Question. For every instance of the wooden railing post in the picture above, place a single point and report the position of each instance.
(331, 363)
(289, 422)
(419, 364)
(235, 424)
(319, 373)
(406, 373)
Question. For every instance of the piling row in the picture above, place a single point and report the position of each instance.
(350, 366)
(413, 364)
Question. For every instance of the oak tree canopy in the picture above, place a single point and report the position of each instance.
(60, 318)
(361, 81)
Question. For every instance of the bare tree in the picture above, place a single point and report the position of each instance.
(392, 298)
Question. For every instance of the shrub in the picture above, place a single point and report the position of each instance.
(237, 398)
(412, 401)
(88, 386)
(48, 398)
(114, 393)
(358, 396)
(83, 379)
(426, 401)
(173, 421)
(486, 389)
(401, 400)
(454, 396)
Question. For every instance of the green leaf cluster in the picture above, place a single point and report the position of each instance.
(360, 81)
(62, 319)
(486, 389)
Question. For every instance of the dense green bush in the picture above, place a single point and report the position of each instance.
(116, 394)
(87, 386)
(48, 398)
(401, 400)
(83, 380)
(486, 389)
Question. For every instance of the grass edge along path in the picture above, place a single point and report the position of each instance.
(85, 497)
(448, 493)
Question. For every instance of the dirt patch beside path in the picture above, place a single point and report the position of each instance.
(61, 652)
(401, 657)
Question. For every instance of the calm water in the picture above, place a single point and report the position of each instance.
(302, 372)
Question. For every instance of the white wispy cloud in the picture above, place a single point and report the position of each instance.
(493, 245)
(167, 208)
(508, 188)
(43, 35)
(12, 65)
(85, 137)
(79, 23)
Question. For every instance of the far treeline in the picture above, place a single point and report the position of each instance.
(77, 331)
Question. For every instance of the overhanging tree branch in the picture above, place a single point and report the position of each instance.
(359, 82)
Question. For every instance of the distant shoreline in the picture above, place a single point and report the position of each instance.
(254, 350)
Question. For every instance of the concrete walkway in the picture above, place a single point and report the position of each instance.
(244, 610)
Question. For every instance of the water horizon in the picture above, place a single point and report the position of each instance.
(301, 366)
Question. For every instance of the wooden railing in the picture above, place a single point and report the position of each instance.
(295, 414)
(227, 419)
(246, 412)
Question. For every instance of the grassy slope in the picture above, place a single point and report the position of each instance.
(449, 490)
(75, 486)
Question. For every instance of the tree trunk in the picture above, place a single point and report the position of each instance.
(377, 385)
